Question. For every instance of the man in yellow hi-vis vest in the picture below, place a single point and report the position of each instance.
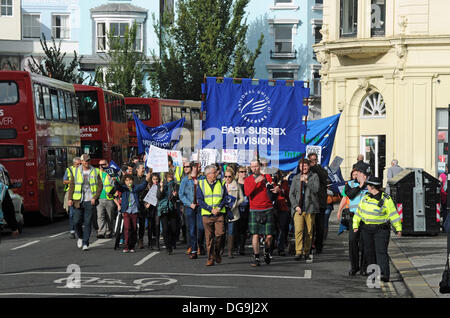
(68, 175)
(210, 198)
(375, 213)
(84, 190)
(106, 205)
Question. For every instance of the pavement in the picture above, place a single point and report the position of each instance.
(420, 261)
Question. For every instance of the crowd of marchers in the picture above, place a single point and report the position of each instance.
(218, 211)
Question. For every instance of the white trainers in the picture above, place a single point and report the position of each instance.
(80, 243)
(309, 259)
(85, 248)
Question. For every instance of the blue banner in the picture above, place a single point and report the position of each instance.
(247, 116)
(165, 136)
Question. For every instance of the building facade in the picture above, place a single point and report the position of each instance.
(32, 18)
(385, 67)
(290, 28)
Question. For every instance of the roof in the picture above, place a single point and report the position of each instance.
(118, 8)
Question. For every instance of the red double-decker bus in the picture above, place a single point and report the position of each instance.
(103, 124)
(39, 136)
(147, 110)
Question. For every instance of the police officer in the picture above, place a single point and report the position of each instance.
(374, 214)
(355, 190)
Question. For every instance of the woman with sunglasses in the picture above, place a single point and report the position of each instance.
(241, 226)
(234, 190)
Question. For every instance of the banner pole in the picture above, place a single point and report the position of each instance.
(303, 156)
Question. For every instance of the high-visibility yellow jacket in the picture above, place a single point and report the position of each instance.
(178, 174)
(107, 185)
(212, 198)
(76, 184)
(69, 171)
(369, 212)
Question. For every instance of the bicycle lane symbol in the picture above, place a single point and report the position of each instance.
(143, 284)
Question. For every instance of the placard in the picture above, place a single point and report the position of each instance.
(315, 149)
(176, 157)
(230, 155)
(158, 160)
(151, 195)
(208, 157)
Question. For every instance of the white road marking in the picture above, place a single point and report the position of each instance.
(142, 261)
(99, 242)
(25, 245)
(56, 235)
(307, 274)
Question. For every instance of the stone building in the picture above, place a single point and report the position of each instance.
(386, 68)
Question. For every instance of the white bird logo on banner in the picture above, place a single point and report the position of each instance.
(255, 108)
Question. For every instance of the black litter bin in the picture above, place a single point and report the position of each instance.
(416, 195)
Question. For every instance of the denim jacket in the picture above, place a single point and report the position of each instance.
(186, 193)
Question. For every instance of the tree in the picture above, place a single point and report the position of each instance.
(208, 38)
(53, 64)
(126, 66)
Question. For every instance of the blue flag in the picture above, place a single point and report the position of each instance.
(165, 136)
(247, 116)
(320, 132)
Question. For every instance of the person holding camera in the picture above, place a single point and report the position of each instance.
(259, 189)
(355, 190)
(304, 204)
(374, 215)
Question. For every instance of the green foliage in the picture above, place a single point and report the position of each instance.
(208, 38)
(126, 67)
(53, 64)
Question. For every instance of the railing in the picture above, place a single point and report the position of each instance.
(283, 55)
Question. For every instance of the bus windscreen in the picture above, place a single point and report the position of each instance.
(88, 109)
(9, 93)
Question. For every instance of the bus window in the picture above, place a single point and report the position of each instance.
(11, 151)
(51, 163)
(62, 106)
(68, 103)
(54, 101)
(176, 113)
(141, 110)
(166, 114)
(88, 110)
(61, 162)
(9, 93)
(47, 105)
(38, 101)
(92, 147)
(8, 133)
(74, 107)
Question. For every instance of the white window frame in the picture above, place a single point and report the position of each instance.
(272, 24)
(316, 89)
(23, 25)
(108, 22)
(271, 68)
(69, 26)
(315, 23)
(7, 6)
(284, 6)
(377, 106)
(291, 40)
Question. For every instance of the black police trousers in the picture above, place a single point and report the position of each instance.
(376, 241)
(356, 250)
